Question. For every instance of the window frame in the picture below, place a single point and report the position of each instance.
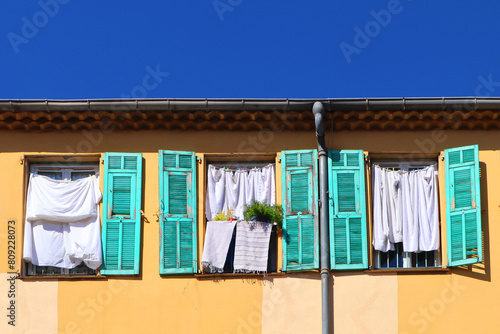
(401, 162)
(237, 160)
(66, 165)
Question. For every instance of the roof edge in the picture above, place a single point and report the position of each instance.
(352, 104)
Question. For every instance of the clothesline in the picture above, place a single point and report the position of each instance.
(236, 168)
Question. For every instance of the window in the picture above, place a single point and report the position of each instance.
(122, 200)
(62, 171)
(348, 218)
(399, 258)
(69, 171)
(179, 204)
(251, 247)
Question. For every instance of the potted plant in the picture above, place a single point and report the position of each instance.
(264, 212)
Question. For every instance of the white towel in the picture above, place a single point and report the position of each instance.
(252, 246)
(217, 239)
(410, 212)
(236, 187)
(429, 216)
(216, 191)
(380, 212)
(395, 206)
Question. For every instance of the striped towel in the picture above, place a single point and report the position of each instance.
(252, 246)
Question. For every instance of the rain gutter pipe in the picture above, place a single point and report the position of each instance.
(324, 245)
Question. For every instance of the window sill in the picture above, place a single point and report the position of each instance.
(240, 275)
(58, 277)
(399, 271)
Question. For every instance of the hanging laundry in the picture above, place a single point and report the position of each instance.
(405, 209)
(62, 226)
(251, 247)
(217, 240)
(230, 189)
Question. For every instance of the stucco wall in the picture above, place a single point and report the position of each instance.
(388, 303)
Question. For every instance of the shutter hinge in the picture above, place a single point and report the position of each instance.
(279, 159)
(441, 157)
(368, 159)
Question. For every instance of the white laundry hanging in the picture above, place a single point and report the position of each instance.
(62, 226)
(229, 189)
(251, 247)
(405, 209)
(217, 240)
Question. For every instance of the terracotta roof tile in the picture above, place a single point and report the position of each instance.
(249, 120)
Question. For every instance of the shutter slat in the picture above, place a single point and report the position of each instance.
(121, 195)
(348, 237)
(178, 204)
(346, 192)
(300, 223)
(299, 194)
(121, 214)
(177, 194)
(463, 206)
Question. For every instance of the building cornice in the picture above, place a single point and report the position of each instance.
(250, 114)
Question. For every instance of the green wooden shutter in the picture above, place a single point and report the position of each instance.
(348, 237)
(300, 210)
(121, 227)
(178, 251)
(463, 206)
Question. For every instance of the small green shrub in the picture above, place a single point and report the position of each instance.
(265, 212)
(224, 215)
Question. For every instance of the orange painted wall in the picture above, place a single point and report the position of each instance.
(237, 305)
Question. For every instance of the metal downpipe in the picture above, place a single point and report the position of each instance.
(324, 244)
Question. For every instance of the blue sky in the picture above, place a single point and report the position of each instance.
(75, 49)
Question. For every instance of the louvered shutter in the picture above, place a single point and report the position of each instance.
(463, 206)
(348, 237)
(121, 226)
(178, 253)
(300, 210)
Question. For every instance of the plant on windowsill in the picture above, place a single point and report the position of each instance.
(264, 212)
(223, 215)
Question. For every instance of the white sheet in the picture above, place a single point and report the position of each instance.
(233, 189)
(62, 226)
(62, 201)
(405, 209)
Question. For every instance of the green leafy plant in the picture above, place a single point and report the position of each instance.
(264, 212)
(223, 215)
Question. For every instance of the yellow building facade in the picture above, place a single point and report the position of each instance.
(440, 299)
